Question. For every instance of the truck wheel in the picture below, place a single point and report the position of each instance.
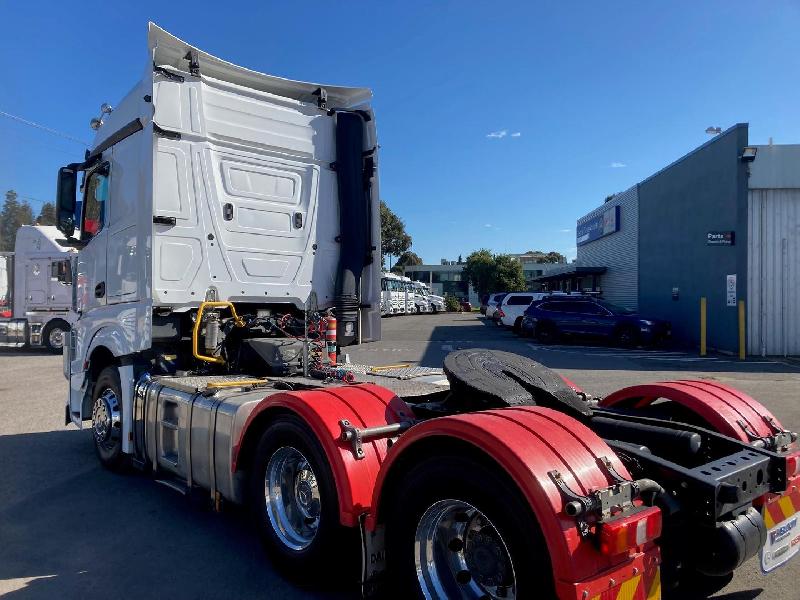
(295, 506)
(107, 420)
(459, 529)
(54, 335)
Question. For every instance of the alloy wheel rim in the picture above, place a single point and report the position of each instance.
(106, 420)
(292, 498)
(56, 338)
(460, 554)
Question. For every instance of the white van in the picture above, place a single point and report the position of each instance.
(514, 304)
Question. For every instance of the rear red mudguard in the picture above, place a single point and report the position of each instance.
(364, 405)
(528, 442)
(726, 410)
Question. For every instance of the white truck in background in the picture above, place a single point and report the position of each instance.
(36, 289)
(435, 303)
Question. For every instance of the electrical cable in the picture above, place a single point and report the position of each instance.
(43, 128)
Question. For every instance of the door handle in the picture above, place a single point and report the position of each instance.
(100, 289)
(227, 211)
(298, 220)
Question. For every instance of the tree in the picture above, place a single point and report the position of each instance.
(509, 276)
(394, 239)
(406, 259)
(480, 271)
(554, 257)
(47, 216)
(13, 215)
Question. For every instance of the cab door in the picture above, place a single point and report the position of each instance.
(91, 268)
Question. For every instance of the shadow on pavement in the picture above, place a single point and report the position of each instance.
(71, 529)
(582, 354)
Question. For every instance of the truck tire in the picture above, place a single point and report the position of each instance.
(107, 420)
(438, 501)
(54, 335)
(295, 507)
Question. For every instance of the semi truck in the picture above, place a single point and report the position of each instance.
(36, 289)
(228, 218)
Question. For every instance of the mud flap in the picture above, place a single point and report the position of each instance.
(373, 559)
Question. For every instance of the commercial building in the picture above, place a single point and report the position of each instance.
(449, 279)
(445, 279)
(721, 223)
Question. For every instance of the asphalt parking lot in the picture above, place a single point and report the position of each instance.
(70, 529)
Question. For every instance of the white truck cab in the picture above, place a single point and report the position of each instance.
(436, 303)
(36, 289)
(393, 295)
(210, 182)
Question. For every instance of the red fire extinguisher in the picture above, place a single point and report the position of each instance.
(330, 339)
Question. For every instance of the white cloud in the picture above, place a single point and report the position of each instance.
(516, 134)
(617, 165)
(497, 134)
(488, 225)
(565, 231)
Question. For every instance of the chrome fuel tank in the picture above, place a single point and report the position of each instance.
(186, 428)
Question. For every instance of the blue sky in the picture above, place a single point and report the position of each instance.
(583, 101)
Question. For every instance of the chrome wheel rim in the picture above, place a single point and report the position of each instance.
(460, 554)
(56, 338)
(106, 420)
(292, 498)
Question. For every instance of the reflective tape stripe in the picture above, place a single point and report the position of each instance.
(786, 506)
(627, 591)
(654, 593)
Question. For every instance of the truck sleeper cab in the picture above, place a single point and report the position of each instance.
(36, 289)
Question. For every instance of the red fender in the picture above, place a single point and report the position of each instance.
(364, 405)
(528, 442)
(724, 408)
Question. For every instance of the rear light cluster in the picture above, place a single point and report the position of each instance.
(500, 313)
(624, 533)
(793, 465)
(6, 314)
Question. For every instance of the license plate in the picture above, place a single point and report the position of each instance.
(783, 543)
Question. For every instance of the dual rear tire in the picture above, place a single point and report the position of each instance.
(452, 525)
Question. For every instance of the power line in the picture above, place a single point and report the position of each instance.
(42, 127)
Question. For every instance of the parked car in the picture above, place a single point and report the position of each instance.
(513, 306)
(550, 318)
(493, 303)
(466, 306)
(484, 303)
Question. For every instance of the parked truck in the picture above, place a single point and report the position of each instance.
(228, 217)
(36, 289)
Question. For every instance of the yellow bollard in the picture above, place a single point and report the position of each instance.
(742, 348)
(703, 304)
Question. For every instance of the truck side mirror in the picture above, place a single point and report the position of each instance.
(65, 197)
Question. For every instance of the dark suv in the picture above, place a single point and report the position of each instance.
(551, 318)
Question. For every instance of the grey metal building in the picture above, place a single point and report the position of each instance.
(773, 266)
(721, 223)
(609, 237)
